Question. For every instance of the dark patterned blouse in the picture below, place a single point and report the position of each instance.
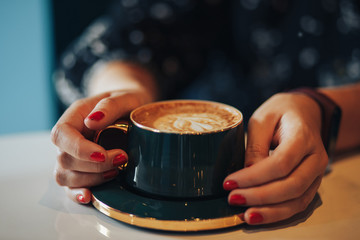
(238, 52)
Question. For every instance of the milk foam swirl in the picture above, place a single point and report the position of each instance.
(190, 122)
(186, 116)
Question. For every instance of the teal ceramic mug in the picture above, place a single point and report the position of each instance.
(179, 148)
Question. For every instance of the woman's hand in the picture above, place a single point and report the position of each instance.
(280, 183)
(115, 89)
(81, 163)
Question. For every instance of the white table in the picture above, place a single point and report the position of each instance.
(33, 206)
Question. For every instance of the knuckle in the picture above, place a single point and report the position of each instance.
(64, 161)
(255, 149)
(60, 177)
(55, 134)
(109, 102)
(79, 103)
(307, 197)
(261, 198)
(306, 137)
(77, 148)
(303, 203)
(254, 119)
(298, 187)
(324, 160)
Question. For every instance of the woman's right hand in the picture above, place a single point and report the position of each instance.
(82, 163)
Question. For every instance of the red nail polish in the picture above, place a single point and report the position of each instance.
(110, 174)
(97, 156)
(80, 198)
(97, 116)
(119, 160)
(255, 218)
(230, 185)
(237, 200)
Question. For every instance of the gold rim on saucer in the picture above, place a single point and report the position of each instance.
(168, 225)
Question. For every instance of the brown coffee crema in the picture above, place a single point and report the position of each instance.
(186, 116)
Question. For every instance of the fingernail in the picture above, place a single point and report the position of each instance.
(97, 156)
(119, 160)
(237, 199)
(230, 185)
(255, 218)
(110, 174)
(97, 116)
(80, 198)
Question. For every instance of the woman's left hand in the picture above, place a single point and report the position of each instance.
(277, 184)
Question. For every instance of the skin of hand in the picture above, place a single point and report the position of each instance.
(284, 160)
(81, 163)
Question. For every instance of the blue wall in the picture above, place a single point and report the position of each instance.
(26, 99)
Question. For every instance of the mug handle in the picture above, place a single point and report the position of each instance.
(114, 136)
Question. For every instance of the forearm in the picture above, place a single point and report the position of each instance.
(123, 76)
(348, 98)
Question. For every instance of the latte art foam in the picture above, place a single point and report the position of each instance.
(186, 116)
(190, 122)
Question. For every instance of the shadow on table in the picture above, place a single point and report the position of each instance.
(293, 221)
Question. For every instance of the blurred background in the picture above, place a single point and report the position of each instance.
(33, 33)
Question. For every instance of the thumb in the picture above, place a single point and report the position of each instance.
(259, 137)
(112, 107)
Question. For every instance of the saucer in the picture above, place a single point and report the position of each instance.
(115, 200)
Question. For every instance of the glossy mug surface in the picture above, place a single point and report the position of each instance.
(179, 148)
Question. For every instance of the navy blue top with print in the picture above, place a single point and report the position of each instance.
(238, 52)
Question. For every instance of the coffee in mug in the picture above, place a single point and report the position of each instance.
(186, 117)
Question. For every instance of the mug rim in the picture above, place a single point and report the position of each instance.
(225, 106)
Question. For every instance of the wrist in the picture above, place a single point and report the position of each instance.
(330, 117)
(116, 75)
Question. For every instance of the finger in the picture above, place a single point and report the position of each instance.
(70, 134)
(277, 212)
(115, 158)
(279, 164)
(111, 108)
(284, 189)
(79, 110)
(261, 129)
(74, 179)
(79, 195)
(70, 140)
